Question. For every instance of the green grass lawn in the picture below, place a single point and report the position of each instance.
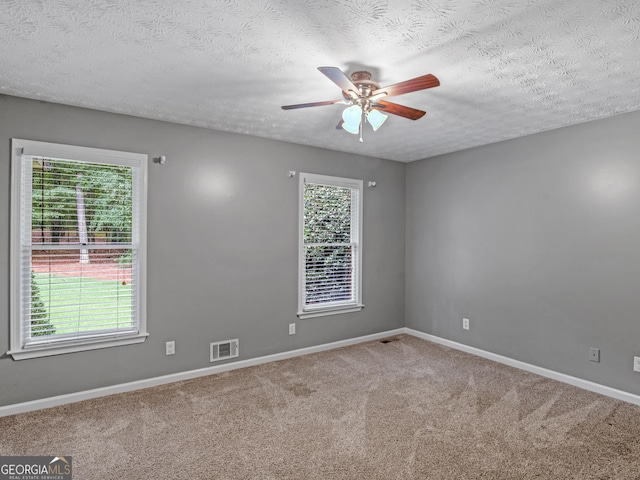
(105, 304)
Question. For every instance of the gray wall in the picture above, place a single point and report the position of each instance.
(222, 250)
(537, 241)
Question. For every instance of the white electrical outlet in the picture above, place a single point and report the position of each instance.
(292, 329)
(465, 323)
(636, 364)
(170, 348)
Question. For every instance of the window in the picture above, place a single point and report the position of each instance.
(78, 248)
(330, 245)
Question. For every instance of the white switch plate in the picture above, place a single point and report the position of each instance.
(292, 329)
(636, 364)
(170, 348)
(465, 323)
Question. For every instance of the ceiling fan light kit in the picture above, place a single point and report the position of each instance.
(364, 97)
(355, 116)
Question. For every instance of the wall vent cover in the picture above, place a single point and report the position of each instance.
(223, 350)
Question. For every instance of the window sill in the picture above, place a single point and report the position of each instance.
(323, 312)
(81, 346)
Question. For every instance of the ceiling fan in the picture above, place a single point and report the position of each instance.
(365, 99)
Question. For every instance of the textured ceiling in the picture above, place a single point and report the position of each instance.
(507, 67)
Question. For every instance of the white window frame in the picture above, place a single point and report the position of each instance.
(20, 148)
(335, 308)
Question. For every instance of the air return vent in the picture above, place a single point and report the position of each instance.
(390, 339)
(223, 350)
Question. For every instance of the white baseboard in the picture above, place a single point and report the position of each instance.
(176, 377)
(561, 377)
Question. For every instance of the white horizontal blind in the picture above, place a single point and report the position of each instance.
(79, 265)
(330, 244)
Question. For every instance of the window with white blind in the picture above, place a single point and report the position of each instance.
(78, 248)
(330, 245)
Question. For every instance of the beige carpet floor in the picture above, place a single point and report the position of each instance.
(407, 409)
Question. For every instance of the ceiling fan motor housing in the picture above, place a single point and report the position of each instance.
(362, 80)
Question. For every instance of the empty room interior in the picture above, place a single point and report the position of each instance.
(320, 239)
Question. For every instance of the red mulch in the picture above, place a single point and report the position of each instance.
(102, 270)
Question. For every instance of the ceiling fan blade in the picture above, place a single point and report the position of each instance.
(401, 110)
(408, 86)
(313, 104)
(339, 78)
